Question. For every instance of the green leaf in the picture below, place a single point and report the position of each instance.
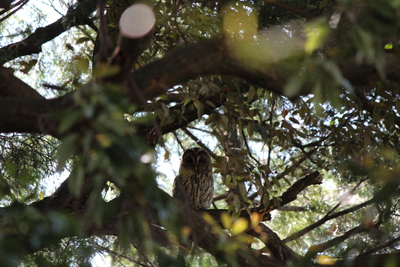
(187, 101)
(317, 33)
(294, 120)
(293, 86)
(66, 150)
(76, 179)
(224, 120)
(209, 103)
(82, 40)
(68, 121)
(239, 226)
(250, 128)
(251, 94)
(211, 118)
(200, 107)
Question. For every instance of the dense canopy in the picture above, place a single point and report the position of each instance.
(297, 102)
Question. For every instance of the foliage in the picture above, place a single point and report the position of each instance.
(281, 90)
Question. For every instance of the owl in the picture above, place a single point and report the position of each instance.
(194, 184)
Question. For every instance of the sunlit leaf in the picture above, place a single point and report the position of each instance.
(316, 36)
(251, 94)
(325, 260)
(66, 150)
(226, 220)
(239, 226)
(255, 219)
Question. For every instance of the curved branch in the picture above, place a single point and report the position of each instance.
(76, 15)
(205, 58)
(11, 86)
(214, 57)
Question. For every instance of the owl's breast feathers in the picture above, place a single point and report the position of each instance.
(195, 184)
(186, 172)
(196, 190)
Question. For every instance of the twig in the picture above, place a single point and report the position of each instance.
(18, 6)
(198, 141)
(313, 250)
(197, 129)
(292, 208)
(327, 218)
(117, 254)
(222, 196)
(286, 197)
(295, 164)
(248, 148)
(178, 141)
(294, 10)
(375, 249)
(341, 201)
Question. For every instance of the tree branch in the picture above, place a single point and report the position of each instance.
(214, 57)
(392, 259)
(382, 194)
(204, 58)
(273, 243)
(287, 197)
(32, 115)
(11, 86)
(76, 15)
(376, 249)
(292, 9)
(314, 249)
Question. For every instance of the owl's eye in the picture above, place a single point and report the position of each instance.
(201, 161)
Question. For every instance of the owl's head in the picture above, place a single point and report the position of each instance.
(195, 159)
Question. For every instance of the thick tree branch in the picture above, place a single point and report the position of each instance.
(214, 57)
(11, 86)
(32, 115)
(76, 15)
(203, 58)
(201, 232)
(291, 194)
